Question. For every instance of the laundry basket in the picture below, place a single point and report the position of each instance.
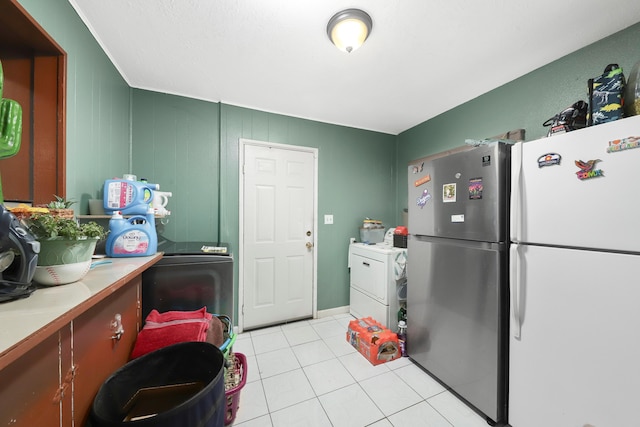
(229, 336)
(235, 379)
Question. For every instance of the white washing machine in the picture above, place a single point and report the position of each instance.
(377, 275)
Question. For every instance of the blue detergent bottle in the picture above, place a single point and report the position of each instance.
(128, 197)
(131, 237)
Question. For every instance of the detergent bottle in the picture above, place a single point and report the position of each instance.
(402, 337)
(131, 237)
(128, 197)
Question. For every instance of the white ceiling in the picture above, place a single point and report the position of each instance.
(423, 56)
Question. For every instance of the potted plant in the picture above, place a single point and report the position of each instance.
(66, 247)
(61, 207)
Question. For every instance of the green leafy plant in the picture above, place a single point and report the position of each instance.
(60, 203)
(47, 226)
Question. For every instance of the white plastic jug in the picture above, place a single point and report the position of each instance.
(160, 200)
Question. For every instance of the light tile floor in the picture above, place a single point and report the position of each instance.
(306, 374)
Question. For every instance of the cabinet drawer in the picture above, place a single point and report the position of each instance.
(96, 354)
(369, 275)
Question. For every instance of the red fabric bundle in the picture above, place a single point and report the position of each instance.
(171, 327)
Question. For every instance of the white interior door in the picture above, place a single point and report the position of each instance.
(277, 264)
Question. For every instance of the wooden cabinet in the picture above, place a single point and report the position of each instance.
(35, 76)
(51, 376)
(97, 350)
(28, 395)
(57, 380)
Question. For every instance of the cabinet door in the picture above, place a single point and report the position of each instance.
(96, 355)
(30, 392)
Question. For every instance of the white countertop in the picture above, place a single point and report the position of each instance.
(22, 319)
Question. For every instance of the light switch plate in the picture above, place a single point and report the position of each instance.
(328, 219)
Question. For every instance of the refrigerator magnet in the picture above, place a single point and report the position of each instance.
(423, 199)
(588, 170)
(623, 144)
(449, 193)
(549, 159)
(475, 189)
(422, 180)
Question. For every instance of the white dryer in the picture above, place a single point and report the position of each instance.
(377, 273)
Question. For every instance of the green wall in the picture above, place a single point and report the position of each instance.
(190, 147)
(176, 145)
(524, 103)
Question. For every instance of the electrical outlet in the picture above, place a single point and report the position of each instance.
(328, 219)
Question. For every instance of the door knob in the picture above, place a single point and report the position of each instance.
(309, 245)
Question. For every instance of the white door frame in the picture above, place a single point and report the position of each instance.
(314, 292)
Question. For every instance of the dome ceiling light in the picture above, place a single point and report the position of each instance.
(349, 29)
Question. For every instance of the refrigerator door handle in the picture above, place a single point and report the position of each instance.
(516, 192)
(514, 284)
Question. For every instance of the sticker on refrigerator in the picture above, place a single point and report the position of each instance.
(422, 180)
(486, 160)
(449, 193)
(475, 189)
(549, 159)
(623, 144)
(457, 218)
(423, 199)
(588, 170)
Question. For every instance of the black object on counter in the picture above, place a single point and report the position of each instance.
(20, 250)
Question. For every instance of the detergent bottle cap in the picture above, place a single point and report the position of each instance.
(116, 215)
(153, 186)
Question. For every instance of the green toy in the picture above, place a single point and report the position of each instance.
(10, 127)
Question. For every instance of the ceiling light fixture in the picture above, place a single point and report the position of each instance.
(349, 29)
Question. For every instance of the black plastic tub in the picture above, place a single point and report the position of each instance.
(176, 386)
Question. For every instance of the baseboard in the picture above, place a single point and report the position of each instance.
(320, 314)
(333, 311)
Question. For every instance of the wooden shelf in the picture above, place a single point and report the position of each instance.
(35, 76)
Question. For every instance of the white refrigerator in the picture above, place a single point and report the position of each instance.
(575, 279)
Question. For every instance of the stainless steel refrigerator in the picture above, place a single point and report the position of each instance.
(457, 301)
